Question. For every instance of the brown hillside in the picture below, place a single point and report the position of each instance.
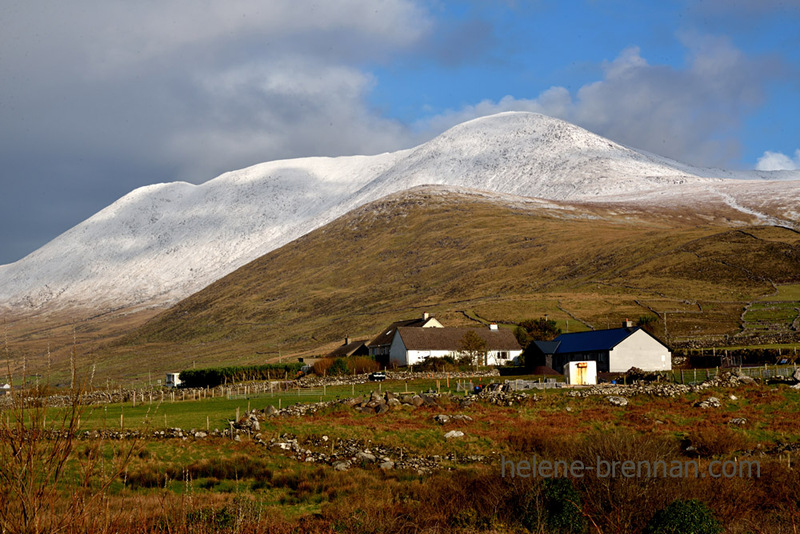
(467, 257)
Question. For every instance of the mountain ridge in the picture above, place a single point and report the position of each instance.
(165, 241)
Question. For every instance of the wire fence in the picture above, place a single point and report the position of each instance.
(765, 372)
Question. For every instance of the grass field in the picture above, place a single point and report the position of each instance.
(221, 485)
(153, 413)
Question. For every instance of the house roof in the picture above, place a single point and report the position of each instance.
(347, 349)
(450, 338)
(387, 335)
(547, 347)
(591, 341)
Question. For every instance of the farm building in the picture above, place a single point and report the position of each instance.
(615, 350)
(349, 348)
(413, 345)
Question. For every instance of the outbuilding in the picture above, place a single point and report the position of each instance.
(614, 350)
(581, 373)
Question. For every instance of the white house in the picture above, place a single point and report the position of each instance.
(411, 345)
(615, 350)
(379, 347)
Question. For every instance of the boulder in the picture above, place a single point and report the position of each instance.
(363, 456)
(617, 401)
(711, 402)
(442, 419)
(454, 434)
(342, 466)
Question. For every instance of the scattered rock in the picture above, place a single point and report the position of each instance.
(442, 419)
(617, 401)
(364, 456)
(711, 402)
(342, 466)
(741, 421)
(454, 434)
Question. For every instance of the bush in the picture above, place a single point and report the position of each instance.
(563, 505)
(684, 517)
(338, 367)
(216, 376)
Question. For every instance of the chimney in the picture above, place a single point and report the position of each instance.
(493, 326)
(346, 340)
(425, 316)
(627, 323)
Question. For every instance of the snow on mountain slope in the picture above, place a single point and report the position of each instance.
(163, 242)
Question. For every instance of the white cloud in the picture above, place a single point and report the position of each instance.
(776, 161)
(690, 114)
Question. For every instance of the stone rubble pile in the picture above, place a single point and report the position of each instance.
(725, 379)
(344, 454)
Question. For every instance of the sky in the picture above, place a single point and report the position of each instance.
(99, 98)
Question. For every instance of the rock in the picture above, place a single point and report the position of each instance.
(417, 401)
(365, 457)
(442, 419)
(393, 402)
(342, 466)
(200, 435)
(617, 401)
(270, 410)
(711, 402)
(796, 375)
(381, 408)
(796, 386)
(741, 421)
(461, 417)
(387, 465)
(454, 434)
(428, 400)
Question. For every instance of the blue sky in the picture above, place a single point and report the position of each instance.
(100, 98)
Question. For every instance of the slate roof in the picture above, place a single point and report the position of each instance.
(387, 335)
(347, 350)
(449, 338)
(591, 341)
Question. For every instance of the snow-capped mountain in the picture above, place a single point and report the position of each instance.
(163, 242)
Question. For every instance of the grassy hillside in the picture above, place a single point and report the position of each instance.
(467, 258)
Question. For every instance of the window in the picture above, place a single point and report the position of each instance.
(502, 355)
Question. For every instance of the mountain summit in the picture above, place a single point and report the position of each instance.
(162, 242)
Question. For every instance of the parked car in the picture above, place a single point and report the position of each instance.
(377, 376)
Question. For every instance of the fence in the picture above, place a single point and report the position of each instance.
(695, 376)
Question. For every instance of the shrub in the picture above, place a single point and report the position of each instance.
(215, 376)
(717, 441)
(563, 505)
(684, 517)
(363, 364)
(338, 367)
